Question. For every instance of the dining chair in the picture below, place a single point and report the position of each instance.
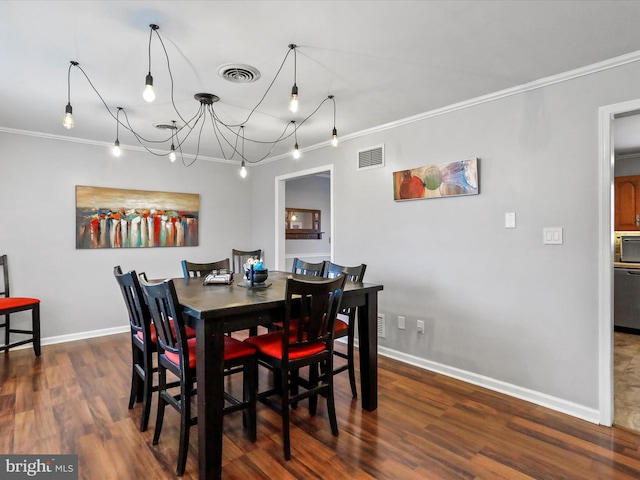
(307, 268)
(346, 328)
(191, 269)
(239, 258)
(9, 305)
(177, 354)
(306, 340)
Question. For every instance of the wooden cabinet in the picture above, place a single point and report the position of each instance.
(627, 202)
(302, 224)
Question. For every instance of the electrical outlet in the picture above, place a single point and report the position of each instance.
(420, 326)
(401, 323)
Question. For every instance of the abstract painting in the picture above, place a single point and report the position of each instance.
(117, 218)
(435, 181)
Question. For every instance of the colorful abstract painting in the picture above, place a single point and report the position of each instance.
(116, 218)
(435, 181)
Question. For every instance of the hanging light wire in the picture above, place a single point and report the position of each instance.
(225, 132)
(296, 150)
(334, 132)
(116, 145)
(68, 112)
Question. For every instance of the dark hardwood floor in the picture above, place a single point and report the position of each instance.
(74, 399)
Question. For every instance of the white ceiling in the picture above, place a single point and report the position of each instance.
(383, 60)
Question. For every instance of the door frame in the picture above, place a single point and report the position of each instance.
(280, 189)
(606, 248)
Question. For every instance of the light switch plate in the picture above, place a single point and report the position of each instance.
(510, 220)
(552, 235)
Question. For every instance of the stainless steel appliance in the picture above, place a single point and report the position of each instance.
(626, 298)
(630, 249)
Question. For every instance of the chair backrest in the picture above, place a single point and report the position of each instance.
(353, 274)
(306, 268)
(139, 318)
(166, 314)
(5, 269)
(239, 257)
(314, 303)
(190, 269)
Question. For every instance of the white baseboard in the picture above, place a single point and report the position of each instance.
(580, 411)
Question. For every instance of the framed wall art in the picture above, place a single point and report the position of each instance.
(117, 218)
(436, 181)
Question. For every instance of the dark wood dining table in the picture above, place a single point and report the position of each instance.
(217, 309)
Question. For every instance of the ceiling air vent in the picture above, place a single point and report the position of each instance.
(237, 73)
(371, 158)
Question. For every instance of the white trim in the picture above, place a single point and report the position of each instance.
(538, 398)
(605, 257)
(307, 255)
(73, 337)
(280, 206)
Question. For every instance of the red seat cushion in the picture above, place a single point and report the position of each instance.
(190, 332)
(232, 349)
(16, 302)
(271, 344)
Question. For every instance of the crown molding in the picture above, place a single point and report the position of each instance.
(608, 64)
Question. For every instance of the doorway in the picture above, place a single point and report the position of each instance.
(607, 115)
(280, 196)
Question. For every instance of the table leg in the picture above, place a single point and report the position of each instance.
(210, 376)
(368, 348)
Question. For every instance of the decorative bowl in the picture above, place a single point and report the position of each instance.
(259, 276)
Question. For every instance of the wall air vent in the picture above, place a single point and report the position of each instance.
(371, 158)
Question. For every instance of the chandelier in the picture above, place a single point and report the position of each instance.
(230, 136)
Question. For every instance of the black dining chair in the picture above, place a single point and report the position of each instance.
(240, 257)
(346, 321)
(305, 340)
(307, 268)
(177, 354)
(9, 305)
(191, 269)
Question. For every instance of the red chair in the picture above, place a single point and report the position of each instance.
(9, 305)
(306, 340)
(177, 354)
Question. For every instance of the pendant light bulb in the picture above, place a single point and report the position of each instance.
(296, 152)
(68, 117)
(243, 170)
(116, 149)
(334, 138)
(293, 103)
(172, 154)
(149, 94)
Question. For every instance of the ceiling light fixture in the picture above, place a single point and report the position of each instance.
(334, 133)
(296, 150)
(68, 113)
(172, 152)
(243, 169)
(149, 94)
(293, 103)
(116, 146)
(227, 134)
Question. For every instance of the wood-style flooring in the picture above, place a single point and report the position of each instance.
(74, 399)
(626, 376)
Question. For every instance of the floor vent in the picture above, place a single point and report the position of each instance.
(371, 158)
(381, 326)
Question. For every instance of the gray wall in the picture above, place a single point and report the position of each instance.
(77, 289)
(311, 192)
(497, 303)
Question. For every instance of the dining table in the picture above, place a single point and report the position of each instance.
(216, 309)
